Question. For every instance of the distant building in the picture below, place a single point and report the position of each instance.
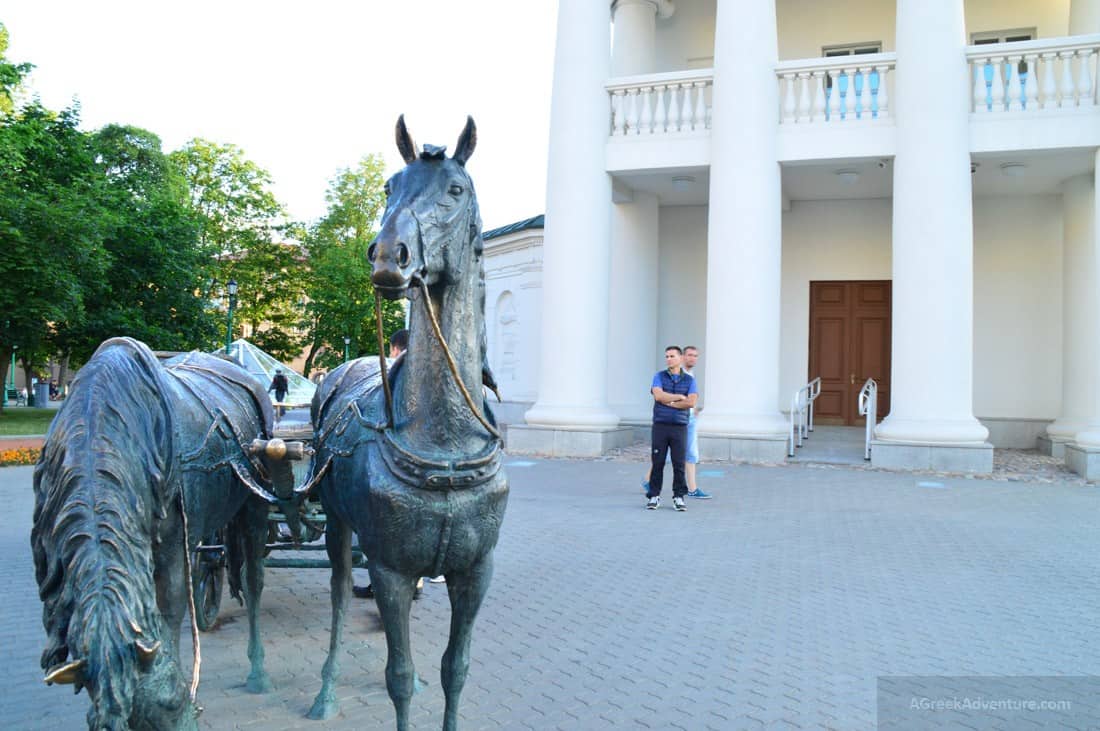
(904, 191)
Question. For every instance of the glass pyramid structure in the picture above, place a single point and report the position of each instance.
(262, 366)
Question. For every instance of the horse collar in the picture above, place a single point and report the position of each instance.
(416, 471)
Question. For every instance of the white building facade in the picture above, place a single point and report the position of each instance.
(904, 191)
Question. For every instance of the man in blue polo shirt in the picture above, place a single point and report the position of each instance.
(674, 395)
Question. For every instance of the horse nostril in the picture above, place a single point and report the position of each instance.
(372, 252)
(402, 255)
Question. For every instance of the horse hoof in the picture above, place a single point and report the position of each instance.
(259, 684)
(323, 709)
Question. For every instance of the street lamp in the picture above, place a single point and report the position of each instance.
(347, 342)
(232, 289)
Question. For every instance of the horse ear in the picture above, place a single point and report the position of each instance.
(467, 141)
(405, 144)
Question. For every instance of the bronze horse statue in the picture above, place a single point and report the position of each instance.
(408, 460)
(139, 456)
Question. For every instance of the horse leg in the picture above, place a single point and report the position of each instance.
(394, 594)
(466, 591)
(252, 524)
(338, 545)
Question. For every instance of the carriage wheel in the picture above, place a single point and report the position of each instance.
(207, 580)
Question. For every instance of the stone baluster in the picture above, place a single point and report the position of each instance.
(618, 118)
(833, 101)
(1015, 88)
(997, 90)
(1031, 93)
(645, 97)
(883, 95)
(660, 117)
(700, 105)
(850, 95)
(805, 101)
(818, 81)
(1067, 89)
(867, 96)
(673, 108)
(1084, 79)
(685, 109)
(1049, 88)
(788, 99)
(981, 93)
(632, 111)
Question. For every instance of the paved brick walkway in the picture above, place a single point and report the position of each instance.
(775, 605)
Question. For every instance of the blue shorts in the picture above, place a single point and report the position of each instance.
(691, 454)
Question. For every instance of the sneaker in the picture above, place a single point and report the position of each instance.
(699, 494)
(645, 486)
(363, 592)
(437, 579)
(678, 503)
(654, 503)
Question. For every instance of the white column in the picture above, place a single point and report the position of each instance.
(933, 247)
(1087, 227)
(1078, 309)
(632, 345)
(635, 35)
(744, 237)
(576, 253)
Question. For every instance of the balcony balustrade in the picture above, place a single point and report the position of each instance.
(835, 90)
(657, 104)
(1034, 76)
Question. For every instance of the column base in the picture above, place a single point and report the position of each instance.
(1085, 461)
(1052, 446)
(567, 442)
(570, 417)
(764, 449)
(894, 455)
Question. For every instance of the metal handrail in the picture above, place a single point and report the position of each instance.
(868, 406)
(802, 414)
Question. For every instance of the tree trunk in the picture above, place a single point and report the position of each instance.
(62, 372)
(307, 367)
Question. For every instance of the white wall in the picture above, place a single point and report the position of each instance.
(825, 240)
(682, 285)
(1049, 17)
(687, 35)
(1018, 307)
(806, 25)
(513, 269)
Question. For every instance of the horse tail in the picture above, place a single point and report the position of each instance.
(99, 490)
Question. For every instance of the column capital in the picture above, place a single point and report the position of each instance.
(663, 8)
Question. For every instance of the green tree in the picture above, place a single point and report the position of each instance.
(341, 298)
(156, 264)
(11, 75)
(239, 230)
(52, 224)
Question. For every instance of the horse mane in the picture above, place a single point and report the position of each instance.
(100, 487)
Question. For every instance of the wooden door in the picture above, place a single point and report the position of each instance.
(849, 343)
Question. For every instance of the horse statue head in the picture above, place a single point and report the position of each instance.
(431, 211)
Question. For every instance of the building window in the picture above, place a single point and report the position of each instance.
(842, 80)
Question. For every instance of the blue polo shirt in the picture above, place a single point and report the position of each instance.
(683, 384)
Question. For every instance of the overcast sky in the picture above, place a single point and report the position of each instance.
(307, 88)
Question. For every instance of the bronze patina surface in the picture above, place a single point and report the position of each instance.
(414, 469)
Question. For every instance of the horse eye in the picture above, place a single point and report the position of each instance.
(455, 190)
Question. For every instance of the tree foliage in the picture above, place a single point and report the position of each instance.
(52, 224)
(340, 295)
(11, 75)
(240, 232)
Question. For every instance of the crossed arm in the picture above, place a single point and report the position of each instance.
(675, 400)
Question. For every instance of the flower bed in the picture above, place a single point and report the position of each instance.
(21, 456)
